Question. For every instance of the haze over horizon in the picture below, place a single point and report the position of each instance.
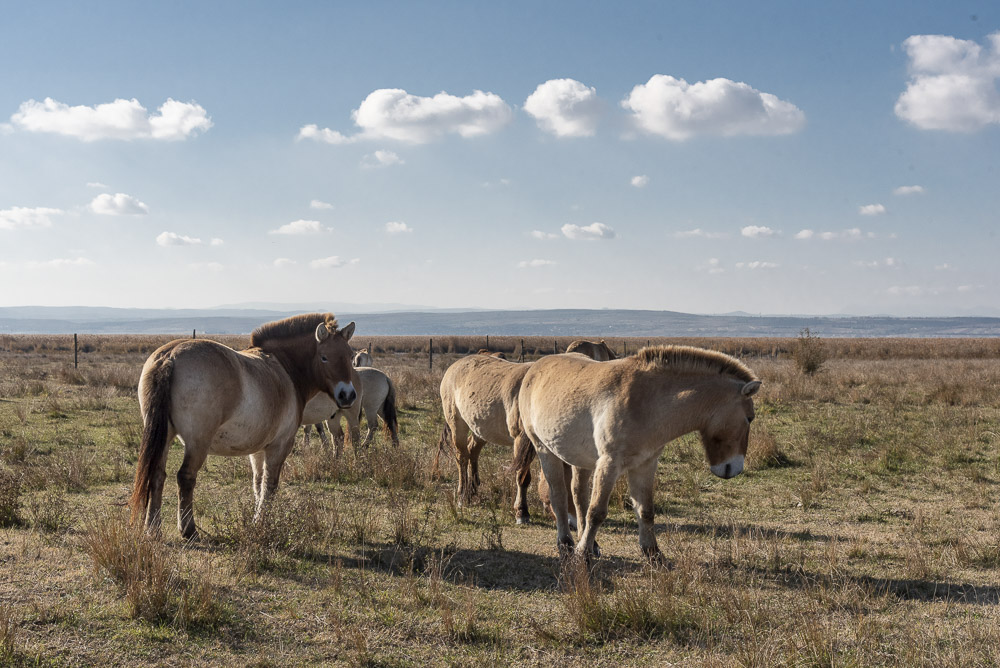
(782, 158)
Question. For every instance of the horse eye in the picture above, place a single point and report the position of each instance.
(324, 359)
(750, 419)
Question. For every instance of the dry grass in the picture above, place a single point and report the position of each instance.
(864, 532)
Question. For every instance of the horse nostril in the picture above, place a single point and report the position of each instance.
(729, 467)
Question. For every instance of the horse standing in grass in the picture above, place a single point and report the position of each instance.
(362, 358)
(598, 351)
(223, 402)
(615, 417)
(378, 400)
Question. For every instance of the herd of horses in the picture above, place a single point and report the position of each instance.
(588, 416)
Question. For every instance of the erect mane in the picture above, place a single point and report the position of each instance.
(292, 327)
(688, 358)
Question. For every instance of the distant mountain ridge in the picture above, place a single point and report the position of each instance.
(554, 322)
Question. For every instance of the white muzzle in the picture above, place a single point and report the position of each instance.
(730, 468)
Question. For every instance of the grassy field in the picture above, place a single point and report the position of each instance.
(865, 531)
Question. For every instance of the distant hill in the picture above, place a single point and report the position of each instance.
(560, 322)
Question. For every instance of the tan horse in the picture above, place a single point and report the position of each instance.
(223, 402)
(378, 400)
(362, 358)
(600, 351)
(615, 417)
(322, 408)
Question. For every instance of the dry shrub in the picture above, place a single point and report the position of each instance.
(10, 499)
(763, 451)
(10, 627)
(809, 352)
(49, 512)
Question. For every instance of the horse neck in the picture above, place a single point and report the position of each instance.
(296, 357)
(689, 401)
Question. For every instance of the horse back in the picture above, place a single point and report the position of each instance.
(483, 391)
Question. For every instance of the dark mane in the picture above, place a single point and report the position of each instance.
(688, 358)
(292, 327)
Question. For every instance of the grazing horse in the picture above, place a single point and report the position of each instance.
(600, 352)
(223, 402)
(362, 358)
(615, 417)
(378, 400)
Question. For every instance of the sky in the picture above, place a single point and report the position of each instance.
(705, 157)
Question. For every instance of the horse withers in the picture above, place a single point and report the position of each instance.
(616, 417)
(234, 403)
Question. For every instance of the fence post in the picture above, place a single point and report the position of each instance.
(193, 332)
(487, 342)
(555, 350)
(76, 359)
(430, 354)
(369, 349)
(520, 357)
(624, 348)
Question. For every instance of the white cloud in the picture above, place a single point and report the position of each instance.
(392, 113)
(500, 182)
(121, 119)
(62, 262)
(804, 234)
(174, 239)
(284, 262)
(96, 184)
(871, 209)
(699, 233)
(299, 227)
(118, 204)
(381, 159)
(319, 205)
(756, 264)
(714, 266)
(758, 232)
(908, 190)
(216, 242)
(20, 216)
(588, 232)
(332, 262)
(565, 107)
(640, 181)
(674, 109)
(526, 264)
(397, 227)
(887, 263)
(538, 234)
(953, 83)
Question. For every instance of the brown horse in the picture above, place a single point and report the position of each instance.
(598, 351)
(223, 402)
(615, 417)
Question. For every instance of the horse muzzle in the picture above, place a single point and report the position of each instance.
(344, 394)
(730, 468)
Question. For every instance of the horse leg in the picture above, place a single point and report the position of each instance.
(574, 511)
(324, 437)
(338, 435)
(306, 428)
(476, 447)
(371, 421)
(274, 459)
(579, 493)
(153, 517)
(460, 441)
(187, 474)
(640, 487)
(605, 475)
(257, 464)
(353, 416)
(555, 474)
(521, 514)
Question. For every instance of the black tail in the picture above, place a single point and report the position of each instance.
(156, 427)
(389, 417)
(443, 443)
(524, 452)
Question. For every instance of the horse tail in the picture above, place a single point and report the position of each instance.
(443, 442)
(389, 417)
(524, 451)
(155, 386)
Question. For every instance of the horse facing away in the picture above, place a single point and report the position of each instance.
(613, 417)
(378, 400)
(598, 351)
(223, 402)
(362, 358)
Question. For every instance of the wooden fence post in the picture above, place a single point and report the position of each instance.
(430, 354)
(369, 349)
(520, 357)
(193, 333)
(487, 342)
(555, 349)
(76, 359)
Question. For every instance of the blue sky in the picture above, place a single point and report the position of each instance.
(702, 157)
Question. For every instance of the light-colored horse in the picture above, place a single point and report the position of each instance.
(378, 400)
(598, 351)
(615, 417)
(362, 358)
(223, 402)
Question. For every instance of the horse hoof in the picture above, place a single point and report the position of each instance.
(596, 550)
(523, 520)
(572, 523)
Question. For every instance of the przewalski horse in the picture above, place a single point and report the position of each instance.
(362, 358)
(378, 400)
(615, 417)
(223, 402)
(599, 351)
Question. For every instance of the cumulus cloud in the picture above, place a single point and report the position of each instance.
(118, 204)
(588, 232)
(22, 217)
(756, 264)
(909, 190)
(565, 107)
(871, 209)
(299, 227)
(804, 234)
(538, 234)
(531, 264)
(758, 232)
(714, 266)
(953, 83)
(284, 262)
(381, 159)
(640, 181)
(174, 239)
(853, 234)
(121, 119)
(697, 233)
(96, 184)
(674, 109)
(392, 113)
(332, 262)
(397, 227)
(319, 205)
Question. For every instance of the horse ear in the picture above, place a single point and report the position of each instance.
(348, 332)
(322, 332)
(751, 388)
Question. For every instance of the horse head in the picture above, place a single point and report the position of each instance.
(726, 433)
(333, 363)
